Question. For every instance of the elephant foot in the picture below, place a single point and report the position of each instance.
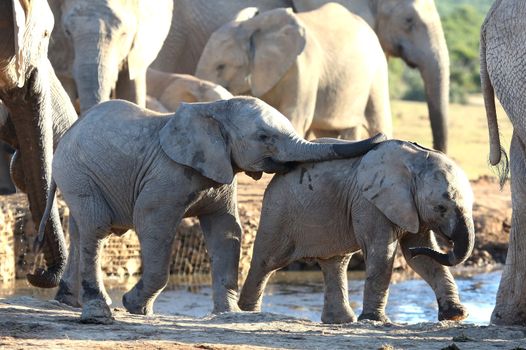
(231, 307)
(455, 312)
(248, 306)
(7, 190)
(374, 316)
(134, 307)
(338, 317)
(96, 311)
(66, 296)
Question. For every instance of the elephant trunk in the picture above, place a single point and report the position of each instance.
(434, 68)
(32, 107)
(95, 71)
(463, 238)
(305, 151)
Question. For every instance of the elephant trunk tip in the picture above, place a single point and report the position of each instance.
(358, 148)
(45, 278)
(448, 259)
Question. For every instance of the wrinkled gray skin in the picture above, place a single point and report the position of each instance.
(502, 52)
(122, 166)
(34, 99)
(397, 192)
(283, 58)
(411, 30)
(100, 46)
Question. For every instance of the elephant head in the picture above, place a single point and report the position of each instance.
(113, 42)
(411, 30)
(419, 189)
(221, 138)
(33, 96)
(252, 54)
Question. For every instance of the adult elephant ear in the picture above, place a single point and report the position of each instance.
(193, 137)
(20, 11)
(385, 181)
(146, 44)
(276, 39)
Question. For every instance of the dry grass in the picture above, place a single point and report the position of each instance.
(468, 132)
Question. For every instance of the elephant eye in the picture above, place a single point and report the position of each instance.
(263, 137)
(410, 23)
(220, 67)
(441, 208)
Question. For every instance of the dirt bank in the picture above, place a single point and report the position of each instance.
(27, 323)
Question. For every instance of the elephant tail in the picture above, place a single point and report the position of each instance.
(497, 155)
(39, 240)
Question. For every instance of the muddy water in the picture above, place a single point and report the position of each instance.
(300, 294)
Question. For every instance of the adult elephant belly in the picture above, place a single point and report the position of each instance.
(340, 105)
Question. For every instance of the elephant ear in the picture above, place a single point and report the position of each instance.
(193, 137)
(276, 40)
(386, 182)
(20, 12)
(153, 23)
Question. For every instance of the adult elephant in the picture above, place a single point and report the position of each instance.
(99, 46)
(503, 74)
(411, 30)
(34, 97)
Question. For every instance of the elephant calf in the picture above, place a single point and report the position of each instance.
(397, 192)
(166, 91)
(122, 167)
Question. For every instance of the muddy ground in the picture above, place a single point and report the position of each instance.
(27, 323)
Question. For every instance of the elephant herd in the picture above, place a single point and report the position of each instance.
(170, 147)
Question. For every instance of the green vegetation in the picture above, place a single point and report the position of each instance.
(461, 20)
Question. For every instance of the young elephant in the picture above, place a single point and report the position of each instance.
(122, 166)
(167, 90)
(325, 75)
(397, 192)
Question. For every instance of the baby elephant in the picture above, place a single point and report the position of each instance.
(397, 192)
(166, 91)
(122, 167)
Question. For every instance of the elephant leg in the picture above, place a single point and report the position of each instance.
(510, 307)
(378, 109)
(156, 232)
(93, 222)
(69, 286)
(436, 275)
(336, 308)
(6, 184)
(222, 232)
(268, 257)
(131, 90)
(378, 270)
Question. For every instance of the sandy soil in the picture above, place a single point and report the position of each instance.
(27, 323)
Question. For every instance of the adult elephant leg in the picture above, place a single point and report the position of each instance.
(6, 184)
(436, 275)
(131, 90)
(510, 307)
(222, 232)
(336, 307)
